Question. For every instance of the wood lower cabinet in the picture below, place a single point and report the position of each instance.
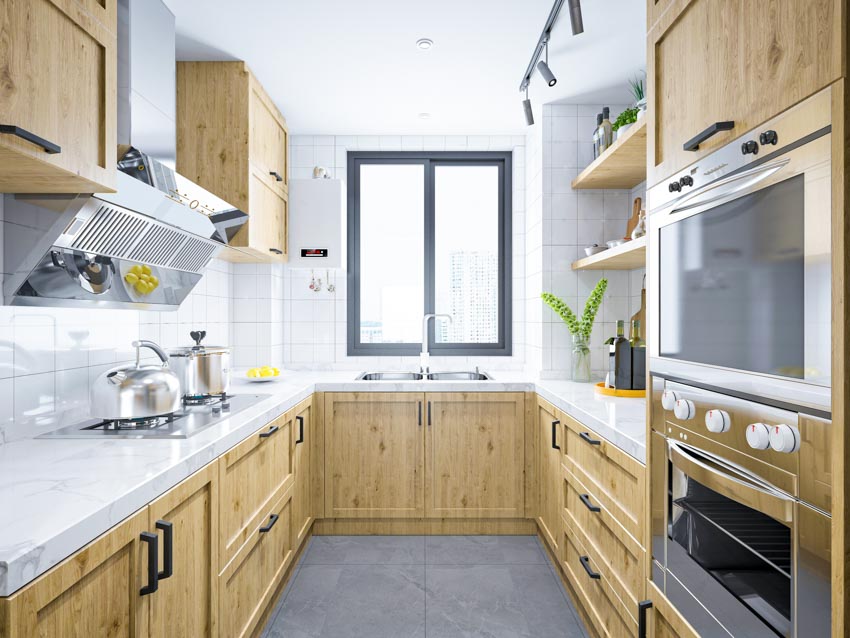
(303, 442)
(95, 592)
(474, 451)
(59, 84)
(374, 455)
(549, 474)
(187, 600)
(662, 619)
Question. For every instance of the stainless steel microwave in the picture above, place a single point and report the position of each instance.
(740, 263)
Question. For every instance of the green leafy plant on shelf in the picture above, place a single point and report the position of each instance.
(584, 326)
(629, 116)
(636, 88)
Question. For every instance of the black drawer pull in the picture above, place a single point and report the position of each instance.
(420, 414)
(585, 562)
(300, 438)
(153, 557)
(586, 437)
(585, 498)
(269, 432)
(429, 414)
(693, 143)
(167, 549)
(277, 176)
(49, 147)
(555, 425)
(643, 607)
(276, 251)
(272, 520)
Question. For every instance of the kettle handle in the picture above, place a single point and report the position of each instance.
(144, 343)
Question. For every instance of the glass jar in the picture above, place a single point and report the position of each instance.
(581, 358)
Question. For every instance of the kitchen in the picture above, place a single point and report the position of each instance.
(387, 320)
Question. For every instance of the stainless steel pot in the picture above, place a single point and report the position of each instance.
(203, 370)
(138, 391)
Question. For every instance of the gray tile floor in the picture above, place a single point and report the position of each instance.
(418, 586)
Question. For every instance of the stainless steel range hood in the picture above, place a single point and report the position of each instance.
(78, 250)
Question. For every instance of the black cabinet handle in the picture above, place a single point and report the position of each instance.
(276, 251)
(277, 176)
(585, 436)
(429, 414)
(419, 419)
(585, 562)
(300, 438)
(153, 558)
(693, 143)
(49, 147)
(167, 549)
(643, 607)
(585, 498)
(269, 432)
(555, 425)
(272, 520)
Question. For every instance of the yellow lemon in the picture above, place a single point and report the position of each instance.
(131, 278)
(265, 372)
(142, 287)
(276, 372)
(136, 270)
(145, 277)
(146, 270)
(154, 280)
(253, 373)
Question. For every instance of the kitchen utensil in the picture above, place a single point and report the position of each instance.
(640, 230)
(137, 391)
(634, 219)
(615, 242)
(203, 370)
(592, 250)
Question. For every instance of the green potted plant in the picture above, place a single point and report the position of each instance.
(580, 329)
(625, 120)
(636, 89)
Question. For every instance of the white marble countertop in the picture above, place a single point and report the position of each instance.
(57, 495)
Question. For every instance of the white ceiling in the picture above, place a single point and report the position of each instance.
(352, 67)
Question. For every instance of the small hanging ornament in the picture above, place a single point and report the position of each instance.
(331, 286)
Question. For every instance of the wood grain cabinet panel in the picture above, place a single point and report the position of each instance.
(739, 60)
(58, 60)
(234, 142)
(95, 592)
(549, 474)
(374, 455)
(251, 476)
(303, 442)
(474, 451)
(663, 620)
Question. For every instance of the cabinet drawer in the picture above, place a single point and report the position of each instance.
(250, 580)
(614, 477)
(607, 612)
(616, 550)
(250, 475)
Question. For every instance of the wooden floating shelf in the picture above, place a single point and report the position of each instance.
(627, 256)
(623, 165)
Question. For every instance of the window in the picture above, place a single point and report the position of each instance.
(429, 233)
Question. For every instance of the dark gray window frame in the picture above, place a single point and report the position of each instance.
(504, 346)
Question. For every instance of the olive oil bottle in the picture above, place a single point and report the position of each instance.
(638, 346)
(620, 359)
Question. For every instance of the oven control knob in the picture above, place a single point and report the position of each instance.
(685, 410)
(674, 187)
(750, 147)
(784, 438)
(687, 180)
(668, 399)
(769, 137)
(758, 436)
(718, 421)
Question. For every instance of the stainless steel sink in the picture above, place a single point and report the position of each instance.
(459, 376)
(390, 376)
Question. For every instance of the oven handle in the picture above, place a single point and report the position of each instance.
(747, 491)
(746, 178)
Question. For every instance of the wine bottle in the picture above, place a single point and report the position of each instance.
(620, 359)
(596, 135)
(638, 346)
(606, 131)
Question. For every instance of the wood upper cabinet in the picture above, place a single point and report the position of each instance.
(474, 451)
(374, 455)
(187, 600)
(732, 60)
(549, 474)
(95, 592)
(303, 443)
(232, 140)
(59, 69)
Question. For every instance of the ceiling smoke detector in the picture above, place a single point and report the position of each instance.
(424, 116)
(424, 43)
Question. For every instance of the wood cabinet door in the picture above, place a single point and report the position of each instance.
(474, 451)
(733, 60)
(549, 474)
(663, 620)
(268, 219)
(94, 592)
(303, 444)
(374, 455)
(59, 83)
(269, 138)
(187, 600)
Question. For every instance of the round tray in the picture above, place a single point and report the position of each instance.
(614, 392)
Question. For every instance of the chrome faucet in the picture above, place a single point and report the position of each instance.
(424, 357)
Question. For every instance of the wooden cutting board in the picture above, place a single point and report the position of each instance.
(634, 219)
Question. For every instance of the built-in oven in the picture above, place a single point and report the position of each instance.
(739, 253)
(740, 500)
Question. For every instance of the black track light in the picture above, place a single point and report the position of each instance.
(526, 106)
(545, 71)
(576, 20)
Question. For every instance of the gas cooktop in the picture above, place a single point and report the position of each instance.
(184, 423)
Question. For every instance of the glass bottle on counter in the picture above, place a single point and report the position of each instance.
(638, 346)
(620, 360)
(595, 136)
(606, 131)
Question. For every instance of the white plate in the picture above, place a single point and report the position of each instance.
(261, 379)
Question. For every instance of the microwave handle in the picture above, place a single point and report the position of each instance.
(739, 181)
(768, 502)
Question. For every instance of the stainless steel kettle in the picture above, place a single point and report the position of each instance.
(138, 391)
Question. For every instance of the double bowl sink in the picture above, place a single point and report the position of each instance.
(430, 376)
